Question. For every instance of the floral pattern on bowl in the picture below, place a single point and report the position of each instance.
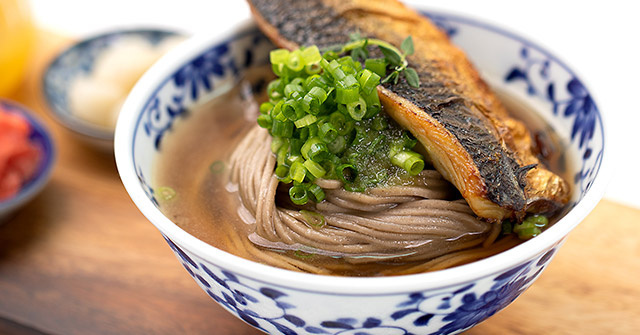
(276, 309)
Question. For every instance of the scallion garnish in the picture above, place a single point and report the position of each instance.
(166, 193)
(216, 167)
(317, 111)
(313, 219)
(298, 194)
(531, 226)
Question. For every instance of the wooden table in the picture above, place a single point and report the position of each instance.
(81, 259)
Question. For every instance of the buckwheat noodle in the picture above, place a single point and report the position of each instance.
(416, 226)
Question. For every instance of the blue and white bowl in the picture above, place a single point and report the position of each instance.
(41, 137)
(278, 301)
(78, 60)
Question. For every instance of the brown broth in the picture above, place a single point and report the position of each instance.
(205, 207)
(202, 205)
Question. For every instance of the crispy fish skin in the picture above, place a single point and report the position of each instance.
(467, 132)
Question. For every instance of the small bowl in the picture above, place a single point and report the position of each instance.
(279, 301)
(78, 60)
(42, 138)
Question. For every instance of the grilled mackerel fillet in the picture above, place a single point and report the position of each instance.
(469, 136)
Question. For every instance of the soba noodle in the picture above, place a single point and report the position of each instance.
(406, 223)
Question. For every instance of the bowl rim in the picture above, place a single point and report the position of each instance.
(333, 285)
(37, 183)
(65, 117)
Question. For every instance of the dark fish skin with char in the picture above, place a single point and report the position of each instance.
(465, 129)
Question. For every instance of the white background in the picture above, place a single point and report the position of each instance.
(598, 39)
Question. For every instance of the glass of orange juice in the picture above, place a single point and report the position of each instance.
(17, 35)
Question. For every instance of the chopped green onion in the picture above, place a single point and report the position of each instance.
(330, 55)
(313, 130)
(294, 61)
(265, 108)
(377, 66)
(216, 167)
(298, 194)
(278, 56)
(305, 121)
(537, 220)
(529, 232)
(281, 155)
(312, 68)
(294, 158)
(303, 133)
(410, 161)
(294, 146)
(531, 226)
(334, 68)
(368, 81)
(310, 55)
(297, 171)
(373, 104)
(281, 171)
(314, 149)
(166, 193)
(276, 143)
(313, 219)
(328, 132)
(338, 145)
(276, 112)
(290, 110)
(290, 88)
(312, 111)
(315, 81)
(316, 193)
(275, 89)
(282, 128)
(340, 122)
(348, 81)
(302, 254)
(347, 173)
(345, 95)
(349, 65)
(314, 168)
(357, 109)
(265, 121)
(315, 97)
(297, 81)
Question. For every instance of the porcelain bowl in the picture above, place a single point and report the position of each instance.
(78, 60)
(41, 137)
(278, 301)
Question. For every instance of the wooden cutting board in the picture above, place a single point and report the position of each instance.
(81, 259)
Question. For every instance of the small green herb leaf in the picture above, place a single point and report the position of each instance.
(407, 46)
(412, 77)
(391, 56)
(391, 77)
(359, 53)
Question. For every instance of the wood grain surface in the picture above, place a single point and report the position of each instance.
(81, 259)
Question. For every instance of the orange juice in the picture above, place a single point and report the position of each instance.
(16, 39)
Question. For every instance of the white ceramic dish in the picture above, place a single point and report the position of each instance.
(78, 60)
(283, 302)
